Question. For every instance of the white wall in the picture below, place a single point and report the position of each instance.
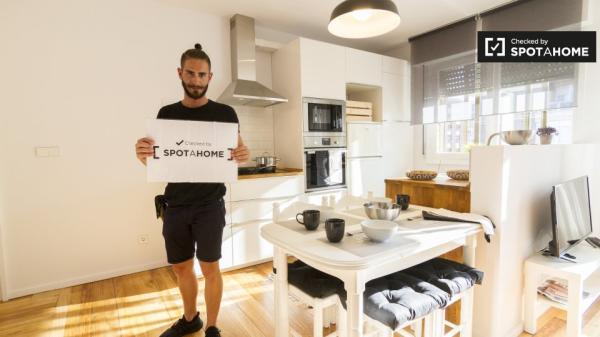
(84, 76)
(512, 186)
(587, 117)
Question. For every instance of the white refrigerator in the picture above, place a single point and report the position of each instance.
(377, 151)
(365, 159)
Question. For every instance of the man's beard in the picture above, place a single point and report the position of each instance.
(194, 93)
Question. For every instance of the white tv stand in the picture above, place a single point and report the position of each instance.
(580, 276)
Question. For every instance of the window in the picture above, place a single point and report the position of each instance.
(466, 102)
(461, 102)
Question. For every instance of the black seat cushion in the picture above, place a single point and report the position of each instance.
(398, 298)
(450, 276)
(312, 281)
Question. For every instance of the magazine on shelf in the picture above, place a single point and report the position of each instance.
(556, 290)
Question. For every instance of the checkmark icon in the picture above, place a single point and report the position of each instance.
(179, 143)
(495, 47)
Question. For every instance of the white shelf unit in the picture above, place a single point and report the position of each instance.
(582, 276)
(591, 286)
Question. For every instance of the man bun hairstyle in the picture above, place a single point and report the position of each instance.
(195, 53)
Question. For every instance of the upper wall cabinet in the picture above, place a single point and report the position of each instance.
(363, 67)
(322, 70)
(392, 65)
(395, 98)
(395, 87)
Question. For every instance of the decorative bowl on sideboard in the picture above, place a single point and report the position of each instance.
(458, 174)
(421, 175)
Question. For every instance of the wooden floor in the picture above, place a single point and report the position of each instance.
(144, 304)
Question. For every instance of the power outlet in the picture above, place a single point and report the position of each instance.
(143, 239)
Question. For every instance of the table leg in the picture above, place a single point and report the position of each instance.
(530, 314)
(281, 293)
(469, 250)
(466, 313)
(340, 325)
(574, 314)
(354, 304)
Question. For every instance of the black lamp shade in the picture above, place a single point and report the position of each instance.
(357, 19)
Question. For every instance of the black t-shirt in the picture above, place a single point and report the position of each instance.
(178, 194)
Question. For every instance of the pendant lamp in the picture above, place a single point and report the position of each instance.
(356, 19)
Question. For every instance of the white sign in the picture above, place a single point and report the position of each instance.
(192, 151)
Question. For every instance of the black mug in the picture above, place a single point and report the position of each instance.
(403, 200)
(310, 218)
(334, 228)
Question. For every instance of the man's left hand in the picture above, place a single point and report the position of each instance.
(241, 154)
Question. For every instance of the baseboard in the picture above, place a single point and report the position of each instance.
(10, 294)
(247, 264)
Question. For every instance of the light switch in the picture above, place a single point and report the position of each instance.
(47, 151)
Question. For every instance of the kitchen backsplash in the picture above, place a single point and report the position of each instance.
(256, 128)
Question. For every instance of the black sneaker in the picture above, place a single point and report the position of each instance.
(183, 327)
(212, 331)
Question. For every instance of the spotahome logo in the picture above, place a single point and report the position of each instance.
(179, 152)
(546, 46)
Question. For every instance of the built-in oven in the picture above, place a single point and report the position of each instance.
(324, 117)
(325, 168)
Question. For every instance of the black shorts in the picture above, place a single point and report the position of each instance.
(194, 229)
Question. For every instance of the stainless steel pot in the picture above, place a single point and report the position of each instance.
(266, 161)
(515, 137)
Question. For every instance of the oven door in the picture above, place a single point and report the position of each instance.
(325, 169)
(324, 117)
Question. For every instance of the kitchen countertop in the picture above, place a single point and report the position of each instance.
(280, 172)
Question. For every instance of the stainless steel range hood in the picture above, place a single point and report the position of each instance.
(244, 89)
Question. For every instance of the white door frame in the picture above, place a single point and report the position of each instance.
(3, 279)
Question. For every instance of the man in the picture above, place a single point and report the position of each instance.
(195, 212)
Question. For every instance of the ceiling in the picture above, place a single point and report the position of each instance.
(309, 18)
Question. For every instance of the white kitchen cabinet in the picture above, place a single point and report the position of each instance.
(395, 90)
(366, 175)
(251, 206)
(227, 248)
(266, 188)
(392, 65)
(248, 217)
(227, 245)
(250, 247)
(322, 70)
(363, 67)
(397, 149)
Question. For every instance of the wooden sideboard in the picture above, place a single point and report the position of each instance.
(442, 192)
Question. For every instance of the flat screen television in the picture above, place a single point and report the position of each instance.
(571, 215)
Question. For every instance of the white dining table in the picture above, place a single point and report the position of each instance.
(356, 259)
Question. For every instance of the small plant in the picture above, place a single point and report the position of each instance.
(547, 131)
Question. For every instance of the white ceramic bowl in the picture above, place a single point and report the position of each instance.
(379, 230)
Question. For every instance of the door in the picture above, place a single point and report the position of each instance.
(323, 117)
(363, 67)
(322, 69)
(249, 246)
(364, 139)
(325, 168)
(366, 175)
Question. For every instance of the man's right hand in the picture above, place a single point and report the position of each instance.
(144, 148)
